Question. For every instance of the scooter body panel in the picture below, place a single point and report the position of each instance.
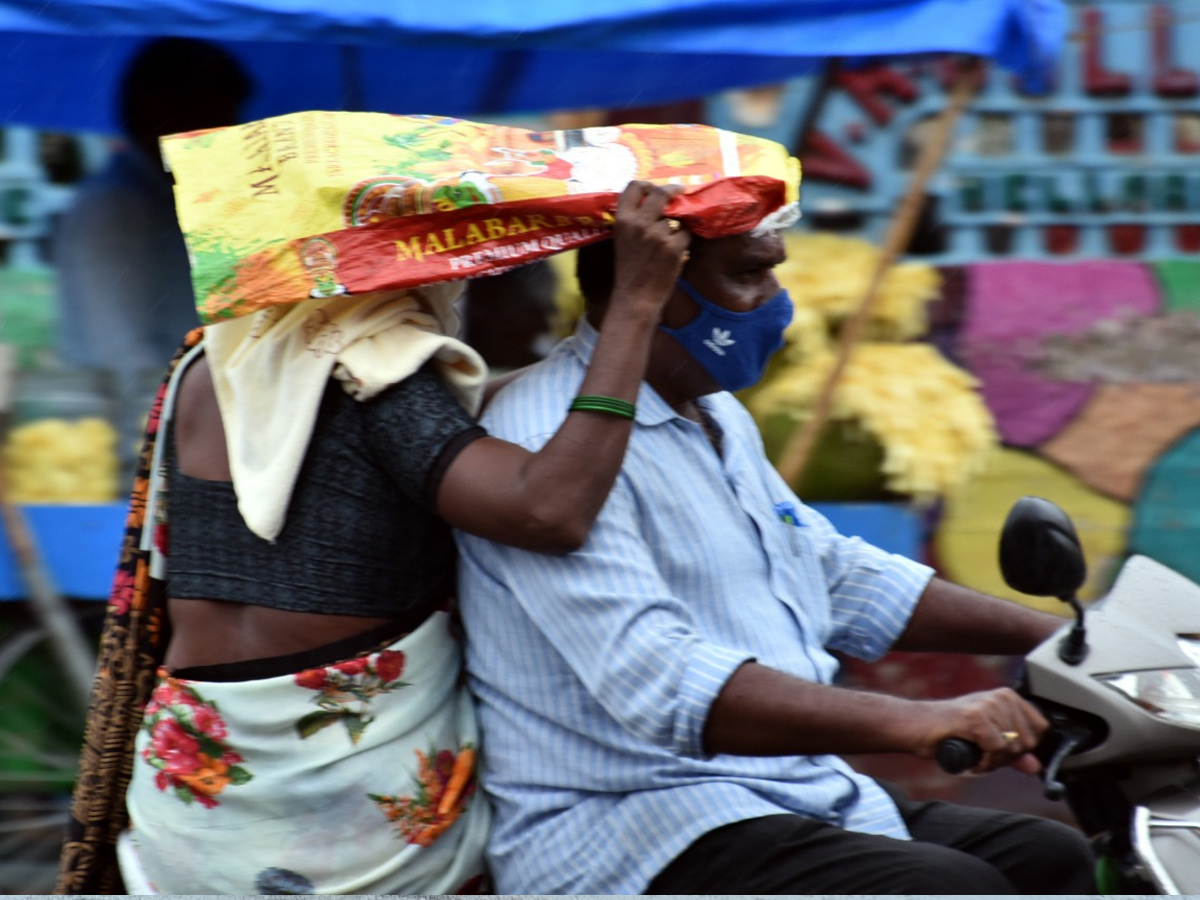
(1166, 840)
(1135, 627)
(1123, 706)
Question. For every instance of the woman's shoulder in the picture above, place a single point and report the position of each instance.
(423, 389)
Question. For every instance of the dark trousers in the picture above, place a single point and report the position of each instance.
(954, 850)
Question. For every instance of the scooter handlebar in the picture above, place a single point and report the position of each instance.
(956, 755)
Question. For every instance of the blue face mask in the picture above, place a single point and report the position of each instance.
(732, 346)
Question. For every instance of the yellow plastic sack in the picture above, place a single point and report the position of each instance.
(318, 204)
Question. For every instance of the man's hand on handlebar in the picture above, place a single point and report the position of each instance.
(1003, 726)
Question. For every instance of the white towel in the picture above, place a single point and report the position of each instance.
(270, 370)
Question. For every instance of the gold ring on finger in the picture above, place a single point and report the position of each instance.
(674, 224)
(1010, 736)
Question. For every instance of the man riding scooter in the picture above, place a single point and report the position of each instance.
(658, 706)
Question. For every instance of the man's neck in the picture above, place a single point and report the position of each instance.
(677, 377)
(684, 401)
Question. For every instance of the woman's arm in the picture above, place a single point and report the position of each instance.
(547, 501)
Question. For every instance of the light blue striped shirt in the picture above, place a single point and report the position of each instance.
(595, 671)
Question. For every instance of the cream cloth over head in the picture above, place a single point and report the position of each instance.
(270, 370)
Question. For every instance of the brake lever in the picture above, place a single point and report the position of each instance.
(1069, 739)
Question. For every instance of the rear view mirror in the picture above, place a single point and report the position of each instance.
(1040, 552)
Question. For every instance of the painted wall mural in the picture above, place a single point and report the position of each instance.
(1101, 164)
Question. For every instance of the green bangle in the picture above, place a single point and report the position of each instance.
(596, 403)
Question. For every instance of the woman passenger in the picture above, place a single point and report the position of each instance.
(284, 594)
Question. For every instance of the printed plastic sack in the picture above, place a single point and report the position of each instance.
(318, 204)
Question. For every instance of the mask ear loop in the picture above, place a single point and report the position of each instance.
(714, 308)
(691, 291)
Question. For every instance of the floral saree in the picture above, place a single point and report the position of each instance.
(351, 778)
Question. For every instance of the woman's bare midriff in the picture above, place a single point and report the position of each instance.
(212, 631)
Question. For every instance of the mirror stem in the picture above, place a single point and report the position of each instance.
(1073, 648)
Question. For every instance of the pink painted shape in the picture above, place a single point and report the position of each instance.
(1014, 306)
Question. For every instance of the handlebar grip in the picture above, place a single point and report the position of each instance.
(956, 755)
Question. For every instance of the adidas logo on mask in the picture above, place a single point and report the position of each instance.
(719, 341)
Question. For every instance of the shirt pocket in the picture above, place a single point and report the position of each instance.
(789, 518)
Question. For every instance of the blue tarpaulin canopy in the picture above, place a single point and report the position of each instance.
(60, 59)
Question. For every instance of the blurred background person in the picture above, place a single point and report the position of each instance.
(124, 288)
(512, 319)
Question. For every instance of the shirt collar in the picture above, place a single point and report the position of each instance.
(651, 408)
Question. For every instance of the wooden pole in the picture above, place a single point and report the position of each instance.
(799, 448)
(75, 654)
